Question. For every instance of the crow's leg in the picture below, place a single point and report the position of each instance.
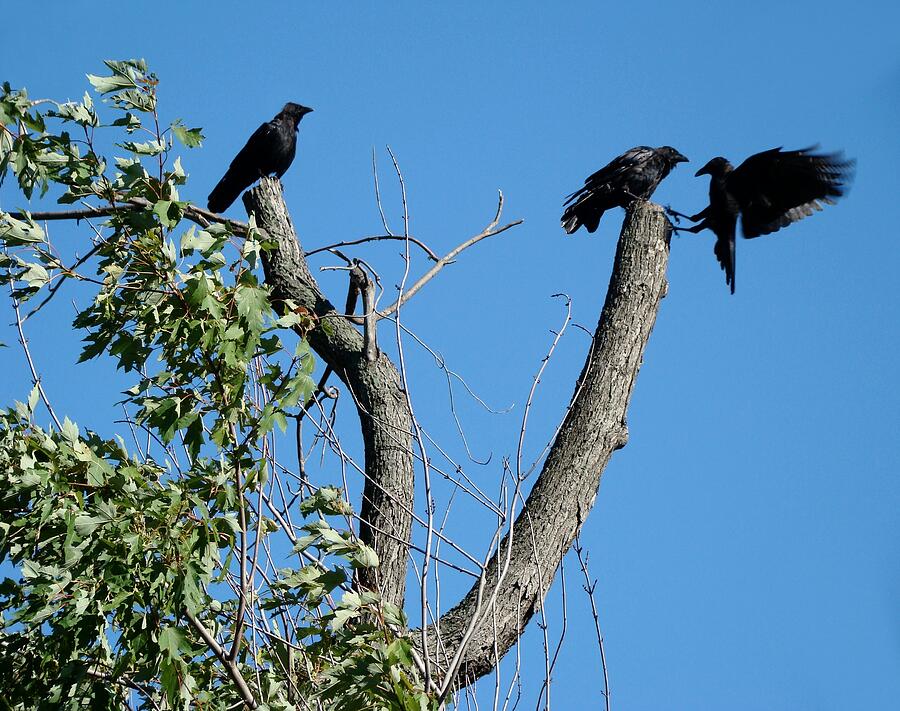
(675, 215)
(671, 212)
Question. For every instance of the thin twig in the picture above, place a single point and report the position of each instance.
(65, 273)
(375, 238)
(589, 588)
(35, 378)
(242, 600)
(537, 379)
(417, 431)
(378, 194)
(489, 231)
(562, 634)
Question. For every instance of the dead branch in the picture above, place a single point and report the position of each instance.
(489, 231)
(589, 587)
(376, 238)
(366, 287)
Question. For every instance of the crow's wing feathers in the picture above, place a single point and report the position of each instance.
(243, 171)
(775, 188)
(612, 177)
(247, 160)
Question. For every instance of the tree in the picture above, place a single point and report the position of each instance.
(175, 571)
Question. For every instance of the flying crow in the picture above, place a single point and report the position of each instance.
(632, 176)
(769, 190)
(270, 150)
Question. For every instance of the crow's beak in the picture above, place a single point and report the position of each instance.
(703, 171)
(682, 159)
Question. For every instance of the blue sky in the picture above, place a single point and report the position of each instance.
(746, 540)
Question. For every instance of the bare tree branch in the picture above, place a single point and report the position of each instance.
(448, 258)
(35, 378)
(376, 238)
(589, 587)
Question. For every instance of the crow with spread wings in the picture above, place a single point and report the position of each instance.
(769, 190)
(634, 175)
(269, 150)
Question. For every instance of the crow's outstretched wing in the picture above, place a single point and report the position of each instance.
(775, 188)
(244, 169)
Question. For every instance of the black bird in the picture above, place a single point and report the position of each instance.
(632, 176)
(270, 149)
(769, 190)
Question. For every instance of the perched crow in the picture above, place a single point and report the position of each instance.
(632, 176)
(270, 150)
(770, 190)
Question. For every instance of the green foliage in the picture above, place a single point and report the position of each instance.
(126, 562)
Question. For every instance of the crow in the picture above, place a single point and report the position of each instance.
(269, 150)
(769, 190)
(632, 176)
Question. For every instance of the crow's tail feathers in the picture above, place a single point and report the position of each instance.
(725, 253)
(581, 213)
(226, 192)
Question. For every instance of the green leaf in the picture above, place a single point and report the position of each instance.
(70, 430)
(171, 641)
(36, 276)
(190, 137)
(86, 525)
(364, 557)
(17, 232)
(252, 302)
(129, 122)
(83, 114)
(341, 617)
(169, 212)
(33, 398)
(150, 148)
(291, 319)
(104, 85)
(200, 241)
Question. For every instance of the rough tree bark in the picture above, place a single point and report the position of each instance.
(385, 514)
(564, 492)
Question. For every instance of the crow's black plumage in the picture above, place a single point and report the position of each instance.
(769, 190)
(269, 150)
(634, 175)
